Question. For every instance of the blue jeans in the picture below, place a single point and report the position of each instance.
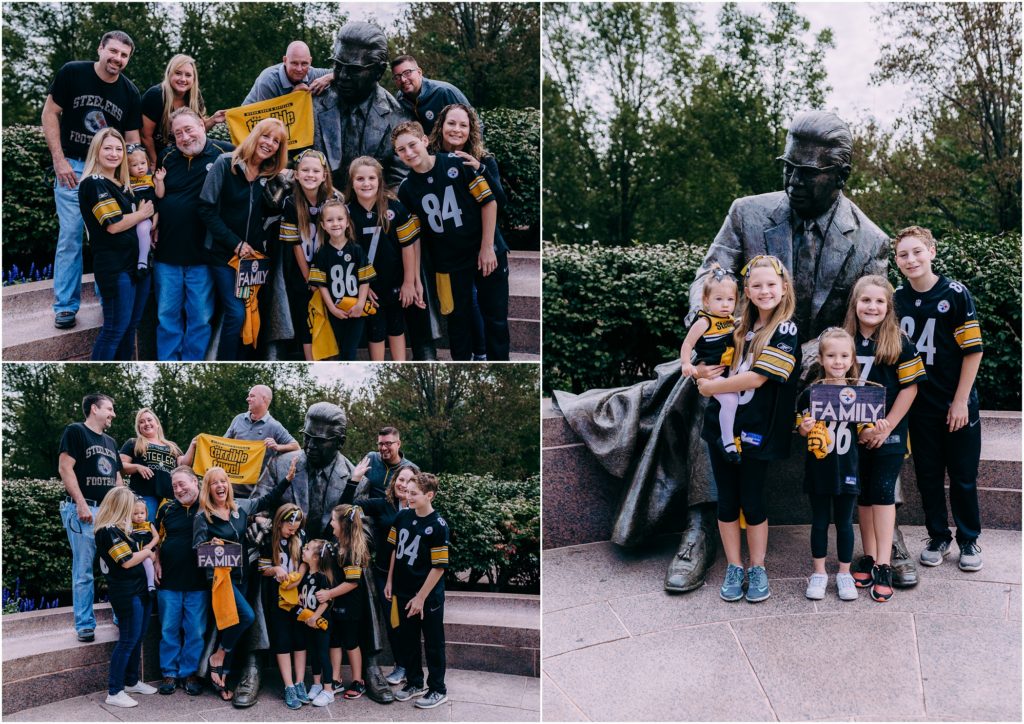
(182, 623)
(132, 617)
(184, 303)
(67, 262)
(83, 553)
(230, 344)
(229, 637)
(123, 301)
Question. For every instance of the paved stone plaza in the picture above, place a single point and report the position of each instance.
(617, 647)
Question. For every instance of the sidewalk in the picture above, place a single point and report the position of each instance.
(472, 696)
(617, 647)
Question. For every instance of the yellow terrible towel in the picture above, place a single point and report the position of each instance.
(818, 440)
(223, 598)
(287, 594)
(305, 614)
(251, 326)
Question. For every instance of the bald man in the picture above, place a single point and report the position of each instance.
(294, 73)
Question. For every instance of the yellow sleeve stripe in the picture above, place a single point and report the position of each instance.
(316, 276)
(968, 335)
(120, 551)
(910, 371)
(106, 209)
(480, 189)
(367, 273)
(775, 362)
(353, 573)
(408, 231)
(439, 556)
(263, 564)
(392, 536)
(289, 233)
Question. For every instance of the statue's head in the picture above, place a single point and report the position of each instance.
(816, 162)
(360, 58)
(323, 434)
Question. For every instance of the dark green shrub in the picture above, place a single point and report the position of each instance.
(990, 267)
(611, 314)
(513, 136)
(29, 214)
(35, 545)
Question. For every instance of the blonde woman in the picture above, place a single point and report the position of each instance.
(231, 206)
(178, 89)
(111, 215)
(149, 458)
(120, 558)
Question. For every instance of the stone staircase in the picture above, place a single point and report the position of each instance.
(29, 334)
(580, 498)
(43, 660)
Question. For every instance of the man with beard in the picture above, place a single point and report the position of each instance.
(184, 283)
(322, 480)
(84, 98)
(379, 468)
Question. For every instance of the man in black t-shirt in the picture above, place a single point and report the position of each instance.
(84, 98)
(183, 593)
(184, 283)
(89, 468)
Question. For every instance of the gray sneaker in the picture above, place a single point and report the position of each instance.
(732, 589)
(397, 676)
(430, 700)
(845, 587)
(935, 551)
(409, 691)
(970, 556)
(816, 586)
(757, 586)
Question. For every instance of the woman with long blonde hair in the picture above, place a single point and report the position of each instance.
(178, 89)
(111, 213)
(149, 458)
(120, 557)
(231, 205)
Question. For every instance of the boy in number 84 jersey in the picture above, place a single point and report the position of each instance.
(945, 428)
(416, 583)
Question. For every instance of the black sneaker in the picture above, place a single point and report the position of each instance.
(882, 579)
(64, 320)
(936, 550)
(86, 635)
(970, 556)
(862, 571)
(410, 691)
(168, 685)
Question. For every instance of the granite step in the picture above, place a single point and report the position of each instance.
(574, 481)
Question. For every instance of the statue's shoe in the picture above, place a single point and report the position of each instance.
(904, 572)
(689, 566)
(377, 686)
(248, 687)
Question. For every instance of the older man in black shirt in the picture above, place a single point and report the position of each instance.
(184, 283)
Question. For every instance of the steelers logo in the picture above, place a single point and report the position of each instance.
(943, 306)
(429, 115)
(847, 395)
(429, 530)
(94, 121)
(209, 166)
(255, 266)
(104, 466)
(453, 172)
(348, 257)
(390, 215)
(218, 551)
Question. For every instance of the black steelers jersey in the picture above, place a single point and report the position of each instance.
(348, 606)
(943, 324)
(384, 248)
(712, 346)
(340, 270)
(420, 545)
(266, 559)
(908, 370)
(113, 548)
(289, 231)
(447, 201)
(838, 472)
(764, 418)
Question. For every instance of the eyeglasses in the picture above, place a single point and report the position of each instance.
(802, 170)
(404, 75)
(385, 443)
(353, 67)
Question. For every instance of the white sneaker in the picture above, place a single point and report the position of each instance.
(846, 587)
(324, 698)
(816, 586)
(314, 691)
(121, 699)
(141, 687)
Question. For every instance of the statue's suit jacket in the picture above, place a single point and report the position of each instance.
(385, 115)
(649, 434)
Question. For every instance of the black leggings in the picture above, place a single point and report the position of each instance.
(740, 486)
(878, 474)
(821, 512)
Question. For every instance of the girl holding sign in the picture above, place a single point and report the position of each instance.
(762, 371)
(831, 475)
(889, 358)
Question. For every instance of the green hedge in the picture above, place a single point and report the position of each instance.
(495, 533)
(30, 217)
(612, 314)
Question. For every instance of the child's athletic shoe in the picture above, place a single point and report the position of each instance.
(816, 586)
(970, 556)
(300, 691)
(355, 690)
(861, 570)
(430, 700)
(732, 589)
(291, 699)
(845, 587)
(397, 676)
(121, 699)
(935, 551)
(314, 690)
(757, 584)
(324, 698)
(140, 687)
(882, 579)
(409, 691)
